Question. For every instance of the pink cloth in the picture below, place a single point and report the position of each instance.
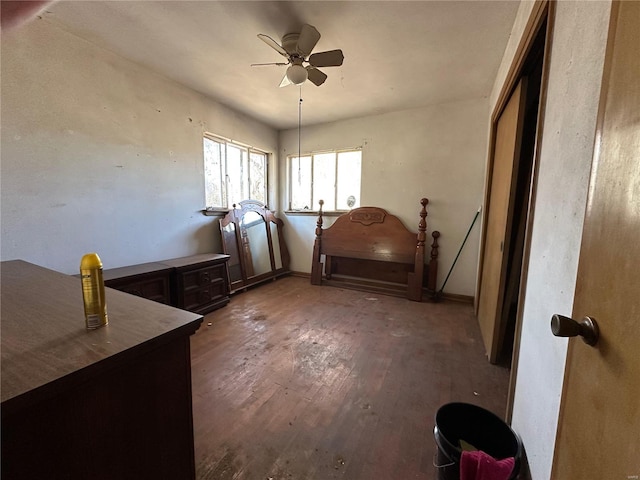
(479, 465)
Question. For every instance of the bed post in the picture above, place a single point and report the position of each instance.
(433, 264)
(316, 265)
(414, 287)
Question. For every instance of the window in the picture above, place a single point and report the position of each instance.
(233, 172)
(333, 177)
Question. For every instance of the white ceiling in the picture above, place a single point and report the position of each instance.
(398, 54)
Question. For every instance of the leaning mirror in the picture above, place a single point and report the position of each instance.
(252, 237)
(230, 247)
(255, 244)
(275, 240)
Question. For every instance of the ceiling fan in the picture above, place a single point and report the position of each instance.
(296, 48)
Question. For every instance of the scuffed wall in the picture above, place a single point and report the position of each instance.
(100, 154)
(438, 152)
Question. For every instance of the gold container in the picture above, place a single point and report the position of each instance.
(95, 304)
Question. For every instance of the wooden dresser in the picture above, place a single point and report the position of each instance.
(198, 283)
(147, 280)
(111, 403)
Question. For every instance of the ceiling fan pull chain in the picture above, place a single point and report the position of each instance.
(299, 122)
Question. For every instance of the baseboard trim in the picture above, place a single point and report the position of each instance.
(454, 297)
(299, 274)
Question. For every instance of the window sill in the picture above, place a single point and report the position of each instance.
(214, 212)
(314, 213)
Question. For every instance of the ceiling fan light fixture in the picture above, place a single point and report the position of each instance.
(296, 48)
(297, 74)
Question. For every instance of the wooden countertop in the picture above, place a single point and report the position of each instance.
(44, 339)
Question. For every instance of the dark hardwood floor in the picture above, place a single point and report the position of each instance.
(301, 382)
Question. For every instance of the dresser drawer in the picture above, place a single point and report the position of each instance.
(156, 289)
(147, 281)
(206, 298)
(200, 283)
(202, 277)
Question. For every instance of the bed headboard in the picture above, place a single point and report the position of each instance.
(372, 248)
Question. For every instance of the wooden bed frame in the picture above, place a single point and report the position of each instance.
(370, 249)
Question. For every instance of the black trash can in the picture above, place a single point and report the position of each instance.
(475, 426)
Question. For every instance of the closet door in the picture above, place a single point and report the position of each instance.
(508, 142)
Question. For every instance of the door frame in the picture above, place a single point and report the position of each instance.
(541, 11)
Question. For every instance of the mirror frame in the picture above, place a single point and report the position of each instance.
(235, 216)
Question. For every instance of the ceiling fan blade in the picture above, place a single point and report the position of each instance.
(285, 81)
(279, 64)
(309, 36)
(316, 76)
(273, 44)
(331, 58)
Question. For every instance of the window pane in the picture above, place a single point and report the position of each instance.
(213, 173)
(257, 180)
(324, 180)
(232, 173)
(300, 176)
(348, 187)
(245, 174)
(332, 177)
(235, 170)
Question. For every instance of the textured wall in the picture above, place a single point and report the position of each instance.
(100, 154)
(438, 152)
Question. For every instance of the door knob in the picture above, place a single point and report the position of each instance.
(562, 326)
